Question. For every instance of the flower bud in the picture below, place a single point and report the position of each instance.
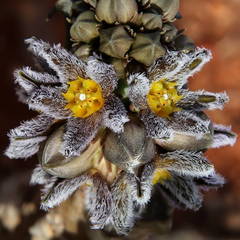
(115, 41)
(85, 28)
(184, 44)
(112, 11)
(147, 48)
(83, 51)
(56, 164)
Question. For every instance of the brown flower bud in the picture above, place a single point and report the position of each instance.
(56, 164)
(129, 149)
(85, 28)
(147, 48)
(152, 21)
(169, 32)
(83, 51)
(119, 66)
(92, 3)
(115, 41)
(112, 11)
(184, 44)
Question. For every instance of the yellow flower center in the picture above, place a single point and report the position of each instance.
(84, 97)
(162, 98)
(161, 175)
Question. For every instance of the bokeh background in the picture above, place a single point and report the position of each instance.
(210, 23)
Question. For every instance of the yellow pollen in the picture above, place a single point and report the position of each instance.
(84, 97)
(161, 175)
(162, 98)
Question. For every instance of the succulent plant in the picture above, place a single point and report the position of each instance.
(116, 119)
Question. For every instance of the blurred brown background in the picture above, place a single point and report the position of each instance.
(211, 23)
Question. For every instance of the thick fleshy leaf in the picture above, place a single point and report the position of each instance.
(201, 100)
(185, 163)
(32, 128)
(138, 90)
(102, 73)
(182, 192)
(79, 133)
(23, 148)
(99, 202)
(187, 122)
(122, 217)
(223, 136)
(179, 66)
(61, 190)
(50, 101)
(39, 176)
(67, 66)
(114, 114)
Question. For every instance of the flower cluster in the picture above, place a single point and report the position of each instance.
(119, 152)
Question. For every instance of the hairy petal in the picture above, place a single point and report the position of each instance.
(67, 66)
(142, 186)
(61, 190)
(39, 176)
(201, 100)
(223, 136)
(213, 181)
(24, 148)
(182, 192)
(32, 128)
(178, 66)
(187, 122)
(185, 163)
(99, 202)
(50, 101)
(102, 73)
(79, 133)
(122, 217)
(114, 114)
(138, 89)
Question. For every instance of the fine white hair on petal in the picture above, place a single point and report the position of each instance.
(98, 202)
(66, 65)
(178, 66)
(49, 101)
(32, 128)
(39, 176)
(102, 73)
(79, 133)
(122, 218)
(23, 148)
(156, 127)
(138, 89)
(61, 191)
(182, 192)
(201, 100)
(114, 114)
(185, 163)
(213, 181)
(223, 136)
(142, 186)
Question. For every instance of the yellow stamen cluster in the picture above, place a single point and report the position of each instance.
(161, 175)
(84, 97)
(162, 98)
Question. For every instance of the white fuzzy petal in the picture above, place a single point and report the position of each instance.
(23, 148)
(223, 136)
(102, 73)
(114, 114)
(213, 181)
(138, 90)
(186, 163)
(67, 66)
(79, 133)
(195, 100)
(39, 176)
(50, 101)
(99, 202)
(32, 128)
(62, 190)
